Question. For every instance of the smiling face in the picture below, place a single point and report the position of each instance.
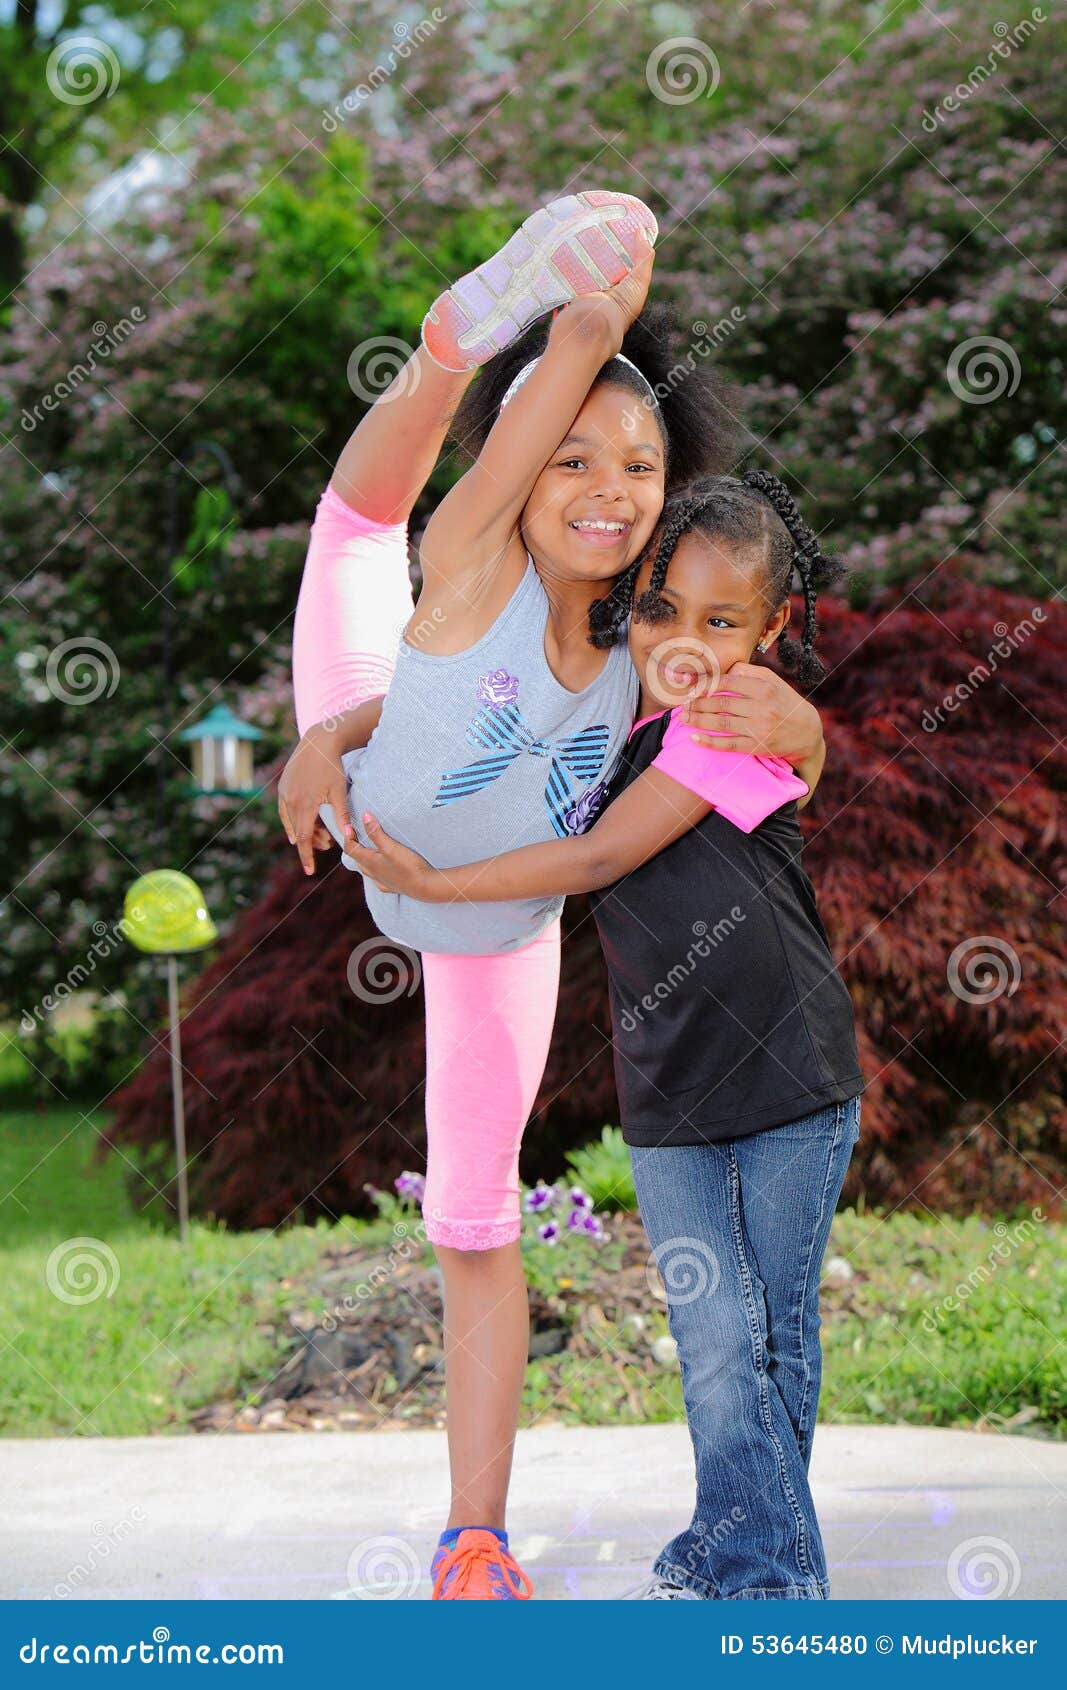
(712, 613)
(597, 501)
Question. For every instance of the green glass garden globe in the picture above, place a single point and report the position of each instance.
(165, 911)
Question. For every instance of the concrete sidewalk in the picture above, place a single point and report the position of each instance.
(293, 1516)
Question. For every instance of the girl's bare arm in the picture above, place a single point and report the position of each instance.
(315, 775)
(651, 814)
(479, 515)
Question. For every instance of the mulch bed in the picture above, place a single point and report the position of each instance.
(373, 1361)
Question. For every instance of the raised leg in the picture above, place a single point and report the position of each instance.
(355, 594)
(392, 451)
(355, 597)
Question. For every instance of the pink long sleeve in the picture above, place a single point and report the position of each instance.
(745, 788)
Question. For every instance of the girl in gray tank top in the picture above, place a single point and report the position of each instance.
(487, 746)
(486, 749)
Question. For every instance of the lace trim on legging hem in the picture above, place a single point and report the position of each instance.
(473, 1235)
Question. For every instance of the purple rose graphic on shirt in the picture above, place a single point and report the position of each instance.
(500, 728)
(497, 688)
(578, 817)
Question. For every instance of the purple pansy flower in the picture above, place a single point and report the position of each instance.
(578, 817)
(411, 1185)
(579, 1198)
(497, 688)
(548, 1233)
(541, 1197)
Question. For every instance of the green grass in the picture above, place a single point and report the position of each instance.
(172, 1330)
(48, 1187)
(949, 1321)
(177, 1329)
(895, 1348)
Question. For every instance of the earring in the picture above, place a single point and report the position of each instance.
(762, 645)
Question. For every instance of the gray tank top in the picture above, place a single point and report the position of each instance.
(481, 752)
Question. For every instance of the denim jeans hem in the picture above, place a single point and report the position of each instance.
(816, 1592)
(687, 1580)
(787, 1593)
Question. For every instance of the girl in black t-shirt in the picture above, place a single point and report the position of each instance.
(734, 1047)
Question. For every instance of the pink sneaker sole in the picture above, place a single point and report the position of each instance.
(582, 243)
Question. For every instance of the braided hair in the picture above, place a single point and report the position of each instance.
(697, 411)
(757, 510)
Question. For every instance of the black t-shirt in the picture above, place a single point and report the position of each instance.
(728, 1013)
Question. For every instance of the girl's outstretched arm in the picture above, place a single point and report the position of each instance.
(479, 515)
(651, 814)
(669, 798)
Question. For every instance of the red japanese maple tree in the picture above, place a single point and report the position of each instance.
(936, 845)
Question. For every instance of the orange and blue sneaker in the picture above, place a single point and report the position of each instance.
(582, 243)
(474, 1564)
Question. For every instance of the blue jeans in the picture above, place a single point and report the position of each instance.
(738, 1230)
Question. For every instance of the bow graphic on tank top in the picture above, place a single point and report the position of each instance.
(500, 728)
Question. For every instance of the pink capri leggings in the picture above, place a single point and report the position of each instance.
(488, 1018)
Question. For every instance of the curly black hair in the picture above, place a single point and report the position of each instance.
(757, 510)
(697, 411)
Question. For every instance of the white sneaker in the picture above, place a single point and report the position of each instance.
(658, 1590)
(576, 245)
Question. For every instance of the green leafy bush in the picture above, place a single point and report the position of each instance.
(604, 1169)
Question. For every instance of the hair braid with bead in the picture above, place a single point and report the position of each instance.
(755, 510)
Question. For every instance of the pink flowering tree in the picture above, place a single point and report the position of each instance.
(869, 250)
